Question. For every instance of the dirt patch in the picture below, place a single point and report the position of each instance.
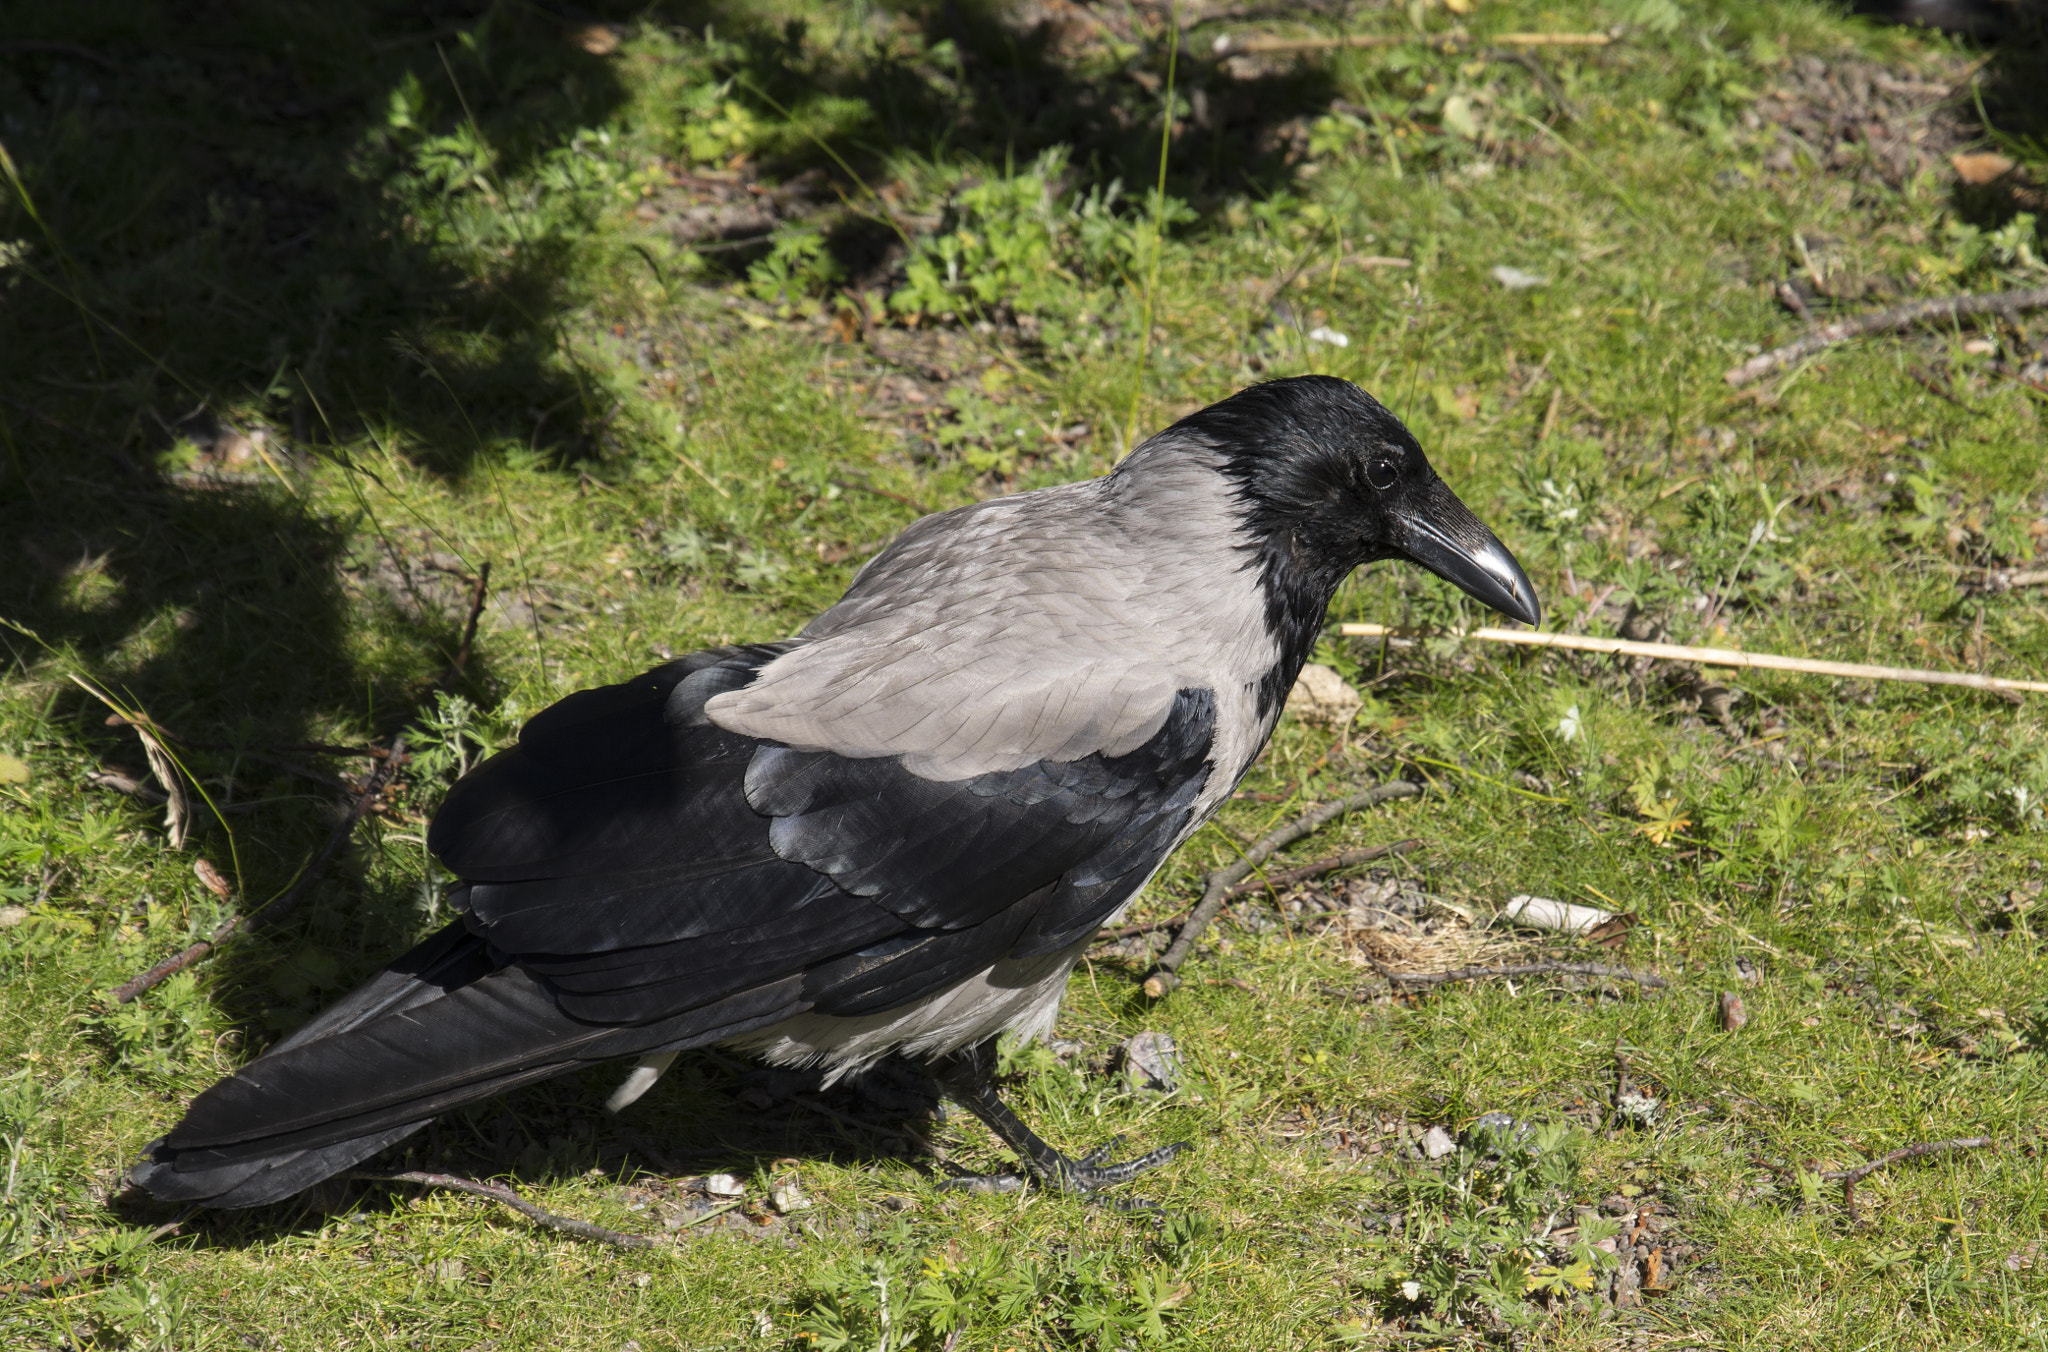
(1865, 119)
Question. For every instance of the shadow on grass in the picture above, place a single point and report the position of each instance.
(706, 1116)
(213, 216)
(224, 218)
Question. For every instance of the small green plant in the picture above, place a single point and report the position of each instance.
(989, 436)
(1022, 241)
(905, 1297)
(1732, 543)
(456, 734)
(798, 266)
(1475, 1249)
(147, 1314)
(153, 1038)
(717, 126)
(697, 553)
(26, 1106)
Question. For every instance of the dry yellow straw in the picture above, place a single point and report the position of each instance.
(1258, 42)
(1713, 657)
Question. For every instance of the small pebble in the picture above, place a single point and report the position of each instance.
(1152, 1061)
(1437, 1143)
(724, 1185)
(1637, 1108)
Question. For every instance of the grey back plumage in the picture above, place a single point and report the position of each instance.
(1047, 626)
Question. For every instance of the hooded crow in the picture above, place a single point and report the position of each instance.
(892, 834)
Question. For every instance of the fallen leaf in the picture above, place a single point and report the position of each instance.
(598, 39)
(1980, 169)
(177, 801)
(1613, 933)
(13, 769)
(1514, 279)
(1458, 117)
(211, 878)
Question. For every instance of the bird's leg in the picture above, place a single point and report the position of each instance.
(967, 1077)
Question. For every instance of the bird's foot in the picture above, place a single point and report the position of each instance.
(1089, 1174)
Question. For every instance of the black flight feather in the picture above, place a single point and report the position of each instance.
(637, 879)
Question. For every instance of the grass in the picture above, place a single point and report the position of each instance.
(313, 310)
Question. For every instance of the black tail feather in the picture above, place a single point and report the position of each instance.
(443, 1027)
(168, 1175)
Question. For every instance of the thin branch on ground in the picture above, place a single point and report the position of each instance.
(504, 1196)
(271, 911)
(1885, 321)
(1164, 975)
(1271, 881)
(1259, 42)
(86, 1274)
(1849, 1178)
(1710, 657)
(1512, 970)
(476, 609)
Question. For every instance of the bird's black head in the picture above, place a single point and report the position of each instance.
(1329, 479)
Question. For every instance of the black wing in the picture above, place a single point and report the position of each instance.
(643, 860)
(635, 878)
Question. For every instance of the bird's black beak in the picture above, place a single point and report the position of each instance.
(1440, 533)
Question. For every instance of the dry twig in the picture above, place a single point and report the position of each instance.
(1849, 1178)
(1273, 880)
(1649, 979)
(1259, 42)
(1885, 321)
(1162, 978)
(478, 589)
(1712, 657)
(504, 1196)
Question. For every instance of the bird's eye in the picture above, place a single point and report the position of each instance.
(1381, 469)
